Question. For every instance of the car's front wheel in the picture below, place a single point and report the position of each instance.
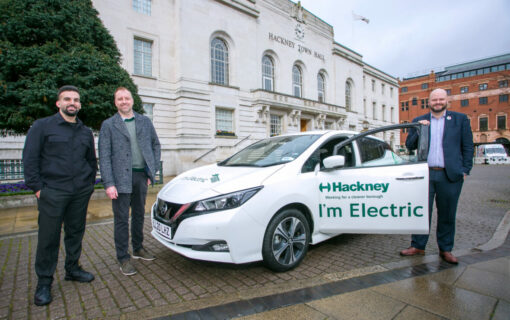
(286, 240)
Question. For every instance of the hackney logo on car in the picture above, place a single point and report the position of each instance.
(339, 187)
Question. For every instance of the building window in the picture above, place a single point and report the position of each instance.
(482, 100)
(297, 81)
(148, 108)
(501, 122)
(267, 73)
(365, 107)
(424, 85)
(373, 85)
(383, 110)
(276, 125)
(142, 6)
(464, 89)
(348, 95)
(503, 98)
(219, 62)
(482, 86)
(382, 88)
(374, 116)
(403, 89)
(224, 122)
(415, 101)
(392, 112)
(321, 87)
(503, 83)
(464, 102)
(143, 57)
(484, 124)
(448, 92)
(391, 92)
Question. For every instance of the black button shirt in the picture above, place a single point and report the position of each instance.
(60, 155)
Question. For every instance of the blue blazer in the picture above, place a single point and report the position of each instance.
(458, 146)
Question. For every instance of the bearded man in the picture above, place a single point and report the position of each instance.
(450, 160)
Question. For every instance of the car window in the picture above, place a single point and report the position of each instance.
(272, 151)
(374, 152)
(327, 149)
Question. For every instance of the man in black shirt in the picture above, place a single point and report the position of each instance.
(60, 166)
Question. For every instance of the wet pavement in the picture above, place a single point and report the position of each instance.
(174, 285)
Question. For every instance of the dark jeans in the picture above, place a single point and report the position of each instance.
(447, 195)
(120, 206)
(57, 207)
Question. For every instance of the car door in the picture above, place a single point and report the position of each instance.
(384, 189)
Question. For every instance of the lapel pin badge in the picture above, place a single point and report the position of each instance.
(448, 118)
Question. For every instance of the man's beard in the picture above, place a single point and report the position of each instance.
(443, 107)
(70, 113)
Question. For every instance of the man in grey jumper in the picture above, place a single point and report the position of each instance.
(129, 155)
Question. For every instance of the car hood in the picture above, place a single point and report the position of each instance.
(212, 180)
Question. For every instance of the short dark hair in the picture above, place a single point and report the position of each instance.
(67, 88)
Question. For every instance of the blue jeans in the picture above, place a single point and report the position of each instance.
(446, 194)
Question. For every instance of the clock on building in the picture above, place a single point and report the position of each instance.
(300, 31)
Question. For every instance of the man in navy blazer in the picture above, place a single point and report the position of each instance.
(450, 159)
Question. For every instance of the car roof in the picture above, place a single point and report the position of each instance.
(321, 132)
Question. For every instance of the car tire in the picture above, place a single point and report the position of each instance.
(286, 240)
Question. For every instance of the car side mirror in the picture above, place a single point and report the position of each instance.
(334, 162)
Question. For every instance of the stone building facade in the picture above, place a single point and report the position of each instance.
(218, 75)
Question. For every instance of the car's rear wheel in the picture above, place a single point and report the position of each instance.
(286, 240)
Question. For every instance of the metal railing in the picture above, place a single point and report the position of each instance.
(13, 170)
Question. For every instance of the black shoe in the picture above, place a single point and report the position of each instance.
(79, 275)
(42, 295)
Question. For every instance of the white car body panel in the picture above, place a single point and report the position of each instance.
(243, 228)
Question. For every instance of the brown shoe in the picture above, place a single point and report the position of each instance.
(412, 251)
(448, 257)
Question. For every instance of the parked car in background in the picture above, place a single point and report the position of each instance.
(272, 199)
(491, 154)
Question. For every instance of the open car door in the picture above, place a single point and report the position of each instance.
(367, 186)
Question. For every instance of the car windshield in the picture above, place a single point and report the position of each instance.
(272, 151)
(494, 150)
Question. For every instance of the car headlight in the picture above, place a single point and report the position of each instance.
(225, 201)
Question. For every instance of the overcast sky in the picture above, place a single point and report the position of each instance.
(409, 37)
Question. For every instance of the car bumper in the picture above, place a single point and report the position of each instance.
(218, 227)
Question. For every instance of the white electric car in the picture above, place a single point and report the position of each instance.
(272, 199)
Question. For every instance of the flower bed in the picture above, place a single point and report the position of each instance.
(14, 188)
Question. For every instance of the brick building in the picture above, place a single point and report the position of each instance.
(478, 89)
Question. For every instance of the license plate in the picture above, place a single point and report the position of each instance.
(161, 229)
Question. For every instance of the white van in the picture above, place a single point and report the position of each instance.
(491, 154)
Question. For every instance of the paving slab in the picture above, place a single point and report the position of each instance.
(439, 298)
(413, 313)
(363, 304)
(300, 311)
(489, 283)
(502, 311)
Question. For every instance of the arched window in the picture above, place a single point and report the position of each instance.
(267, 73)
(297, 81)
(321, 87)
(219, 62)
(348, 91)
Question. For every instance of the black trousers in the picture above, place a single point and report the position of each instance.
(135, 200)
(57, 207)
